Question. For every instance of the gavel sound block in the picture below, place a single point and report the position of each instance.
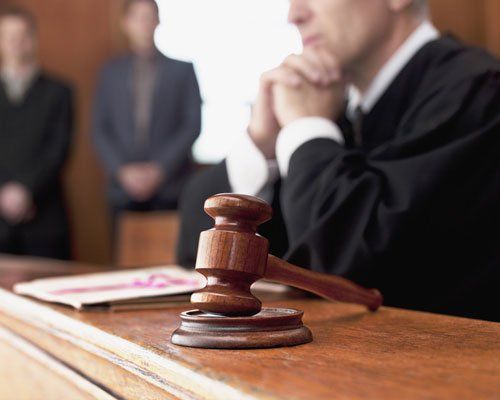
(232, 256)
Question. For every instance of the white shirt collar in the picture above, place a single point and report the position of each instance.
(17, 85)
(424, 34)
(27, 75)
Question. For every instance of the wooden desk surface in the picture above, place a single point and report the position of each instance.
(390, 354)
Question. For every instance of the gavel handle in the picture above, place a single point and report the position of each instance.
(328, 286)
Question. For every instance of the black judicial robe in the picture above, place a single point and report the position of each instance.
(415, 211)
(34, 142)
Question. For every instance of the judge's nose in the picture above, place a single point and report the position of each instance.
(299, 13)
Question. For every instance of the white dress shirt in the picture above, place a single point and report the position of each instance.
(16, 84)
(248, 170)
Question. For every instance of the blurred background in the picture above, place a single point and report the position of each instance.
(230, 42)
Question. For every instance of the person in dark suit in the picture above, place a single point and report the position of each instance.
(386, 138)
(35, 130)
(147, 116)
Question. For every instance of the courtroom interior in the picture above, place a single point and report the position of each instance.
(249, 199)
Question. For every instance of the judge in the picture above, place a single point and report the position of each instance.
(386, 138)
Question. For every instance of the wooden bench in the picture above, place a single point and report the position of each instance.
(146, 238)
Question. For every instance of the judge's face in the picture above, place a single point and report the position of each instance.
(17, 40)
(140, 23)
(349, 29)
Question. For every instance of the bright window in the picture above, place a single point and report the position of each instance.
(230, 42)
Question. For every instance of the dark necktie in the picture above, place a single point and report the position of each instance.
(357, 126)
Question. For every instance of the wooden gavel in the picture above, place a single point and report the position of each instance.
(232, 256)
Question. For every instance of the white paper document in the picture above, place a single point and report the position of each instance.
(126, 289)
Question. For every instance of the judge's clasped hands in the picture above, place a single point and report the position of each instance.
(306, 85)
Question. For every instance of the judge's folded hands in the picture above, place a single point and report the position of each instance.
(306, 85)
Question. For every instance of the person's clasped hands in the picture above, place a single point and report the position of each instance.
(141, 181)
(16, 203)
(306, 85)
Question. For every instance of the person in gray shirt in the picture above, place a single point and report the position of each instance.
(147, 115)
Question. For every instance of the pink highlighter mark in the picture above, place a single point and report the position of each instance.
(154, 281)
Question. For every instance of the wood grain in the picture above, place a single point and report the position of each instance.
(473, 21)
(391, 354)
(147, 238)
(95, 364)
(48, 377)
(271, 327)
(492, 26)
(330, 287)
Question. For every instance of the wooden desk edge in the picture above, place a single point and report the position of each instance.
(148, 365)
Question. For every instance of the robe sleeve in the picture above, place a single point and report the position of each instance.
(345, 210)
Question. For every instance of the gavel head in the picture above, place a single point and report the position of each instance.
(232, 256)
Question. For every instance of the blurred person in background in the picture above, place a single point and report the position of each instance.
(147, 116)
(379, 148)
(35, 133)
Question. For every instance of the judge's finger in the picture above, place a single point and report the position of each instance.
(280, 75)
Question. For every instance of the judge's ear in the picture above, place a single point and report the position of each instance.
(400, 5)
